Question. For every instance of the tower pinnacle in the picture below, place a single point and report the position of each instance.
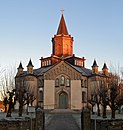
(62, 29)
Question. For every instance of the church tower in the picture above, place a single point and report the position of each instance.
(20, 69)
(30, 67)
(94, 67)
(62, 48)
(105, 69)
(62, 42)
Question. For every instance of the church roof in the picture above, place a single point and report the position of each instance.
(62, 29)
(83, 71)
(41, 71)
(37, 72)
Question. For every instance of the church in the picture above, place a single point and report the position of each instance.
(62, 81)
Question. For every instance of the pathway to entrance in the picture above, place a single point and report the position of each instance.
(62, 121)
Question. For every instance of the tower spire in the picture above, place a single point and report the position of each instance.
(94, 67)
(20, 69)
(105, 69)
(30, 63)
(20, 66)
(62, 29)
(30, 67)
(94, 64)
(104, 66)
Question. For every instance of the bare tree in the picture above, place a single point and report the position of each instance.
(113, 93)
(92, 102)
(98, 101)
(11, 102)
(29, 96)
(96, 96)
(104, 100)
(7, 84)
(119, 98)
(24, 95)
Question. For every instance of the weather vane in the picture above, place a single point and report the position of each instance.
(62, 10)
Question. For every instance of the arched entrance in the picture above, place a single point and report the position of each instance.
(63, 100)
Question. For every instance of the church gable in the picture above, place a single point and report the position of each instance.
(62, 68)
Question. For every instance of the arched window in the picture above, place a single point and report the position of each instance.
(47, 62)
(42, 63)
(83, 97)
(68, 82)
(42, 82)
(57, 82)
(62, 80)
(82, 83)
(85, 83)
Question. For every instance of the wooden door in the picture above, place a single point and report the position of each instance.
(63, 101)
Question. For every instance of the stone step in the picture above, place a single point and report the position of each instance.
(62, 111)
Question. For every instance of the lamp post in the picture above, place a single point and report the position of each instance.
(40, 116)
(41, 97)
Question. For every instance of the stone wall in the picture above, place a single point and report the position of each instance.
(21, 124)
(116, 124)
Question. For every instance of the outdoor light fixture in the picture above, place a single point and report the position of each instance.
(41, 97)
(40, 89)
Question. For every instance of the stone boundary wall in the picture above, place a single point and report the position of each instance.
(21, 124)
(112, 124)
(34, 121)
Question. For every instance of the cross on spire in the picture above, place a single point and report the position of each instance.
(62, 11)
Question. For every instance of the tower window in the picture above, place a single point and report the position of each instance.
(49, 62)
(75, 62)
(42, 63)
(82, 82)
(85, 83)
(83, 97)
(82, 64)
(45, 63)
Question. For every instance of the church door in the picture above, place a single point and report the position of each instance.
(63, 100)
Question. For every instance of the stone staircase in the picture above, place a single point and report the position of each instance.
(63, 111)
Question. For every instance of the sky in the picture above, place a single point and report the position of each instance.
(27, 27)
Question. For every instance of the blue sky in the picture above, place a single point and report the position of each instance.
(27, 27)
